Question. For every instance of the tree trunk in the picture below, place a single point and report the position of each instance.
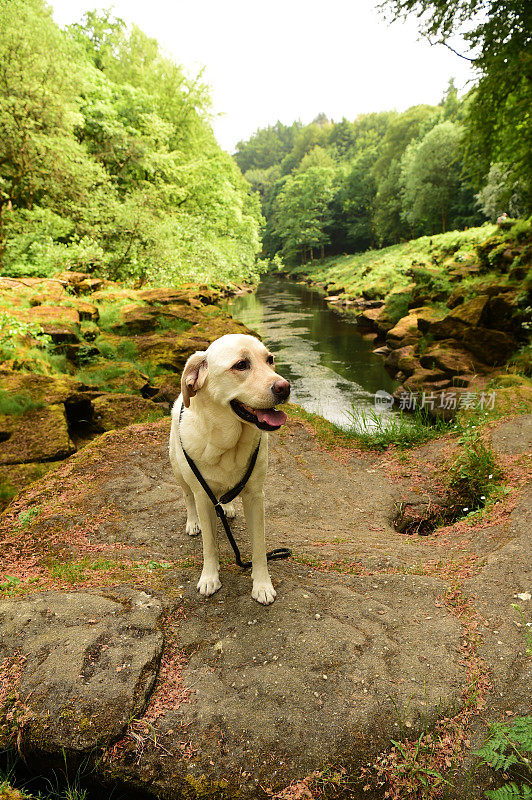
(322, 253)
(443, 218)
(312, 254)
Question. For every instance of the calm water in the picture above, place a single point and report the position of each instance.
(330, 366)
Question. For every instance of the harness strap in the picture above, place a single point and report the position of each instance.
(272, 555)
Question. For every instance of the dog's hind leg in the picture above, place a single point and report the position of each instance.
(209, 581)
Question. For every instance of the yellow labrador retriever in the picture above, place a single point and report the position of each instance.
(227, 404)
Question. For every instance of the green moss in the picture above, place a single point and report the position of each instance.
(17, 404)
(204, 788)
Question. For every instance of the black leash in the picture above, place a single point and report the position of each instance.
(273, 555)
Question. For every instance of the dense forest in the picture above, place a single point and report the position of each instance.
(108, 162)
(385, 177)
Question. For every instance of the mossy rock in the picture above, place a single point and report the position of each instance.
(142, 319)
(114, 376)
(40, 434)
(111, 411)
(451, 358)
(47, 389)
(402, 359)
(86, 311)
(489, 346)
(408, 329)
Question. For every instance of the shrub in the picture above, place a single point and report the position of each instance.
(475, 474)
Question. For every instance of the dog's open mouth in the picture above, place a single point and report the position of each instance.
(267, 419)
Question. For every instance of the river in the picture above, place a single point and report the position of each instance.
(330, 365)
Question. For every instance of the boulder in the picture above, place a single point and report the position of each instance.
(402, 359)
(56, 315)
(408, 329)
(166, 389)
(381, 351)
(166, 296)
(374, 320)
(90, 662)
(40, 434)
(453, 326)
(502, 313)
(114, 376)
(457, 297)
(491, 347)
(451, 358)
(111, 411)
(87, 311)
(425, 380)
(141, 319)
(47, 389)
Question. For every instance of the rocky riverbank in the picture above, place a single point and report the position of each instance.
(455, 322)
(81, 356)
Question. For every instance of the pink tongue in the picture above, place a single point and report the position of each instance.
(270, 417)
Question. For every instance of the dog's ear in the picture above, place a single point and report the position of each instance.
(193, 376)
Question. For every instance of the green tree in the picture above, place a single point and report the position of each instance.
(301, 212)
(497, 127)
(431, 176)
(41, 161)
(267, 147)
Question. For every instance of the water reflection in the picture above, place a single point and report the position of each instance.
(331, 367)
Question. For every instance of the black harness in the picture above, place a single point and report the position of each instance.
(279, 552)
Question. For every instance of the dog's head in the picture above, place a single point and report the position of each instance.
(238, 371)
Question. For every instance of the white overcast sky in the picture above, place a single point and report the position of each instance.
(290, 59)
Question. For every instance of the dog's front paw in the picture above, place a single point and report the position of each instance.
(263, 593)
(230, 510)
(193, 528)
(208, 584)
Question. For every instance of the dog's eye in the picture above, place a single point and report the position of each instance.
(269, 360)
(241, 365)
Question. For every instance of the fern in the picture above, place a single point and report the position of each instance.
(511, 791)
(509, 747)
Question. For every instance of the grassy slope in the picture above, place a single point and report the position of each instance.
(379, 272)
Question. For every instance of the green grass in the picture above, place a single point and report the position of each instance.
(375, 431)
(372, 431)
(379, 272)
(173, 324)
(125, 350)
(111, 310)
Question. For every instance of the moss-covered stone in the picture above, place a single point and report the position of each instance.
(48, 389)
(451, 358)
(118, 410)
(141, 319)
(40, 434)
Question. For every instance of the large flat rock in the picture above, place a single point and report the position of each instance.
(362, 646)
(90, 663)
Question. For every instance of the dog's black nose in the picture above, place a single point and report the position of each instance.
(281, 390)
